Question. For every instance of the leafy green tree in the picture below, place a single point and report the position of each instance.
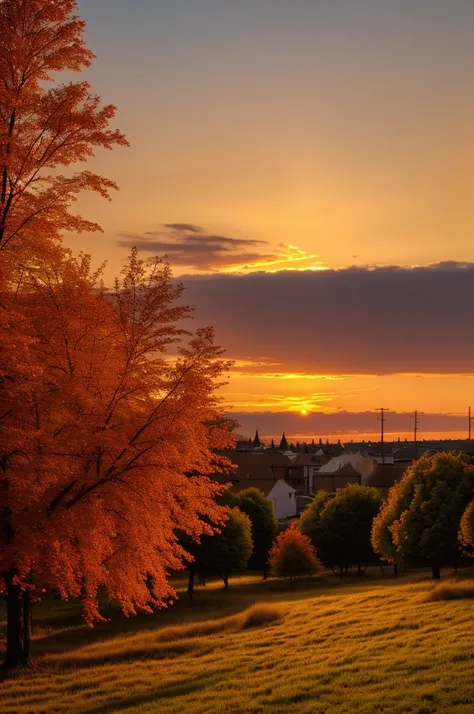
(466, 530)
(421, 517)
(292, 555)
(311, 525)
(264, 525)
(223, 553)
(346, 524)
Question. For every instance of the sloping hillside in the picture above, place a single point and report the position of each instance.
(377, 646)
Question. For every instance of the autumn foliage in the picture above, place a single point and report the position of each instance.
(109, 419)
(44, 129)
(292, 555)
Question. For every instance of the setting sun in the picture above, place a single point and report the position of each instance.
(304, 412)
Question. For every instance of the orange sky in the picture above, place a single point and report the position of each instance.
(317, 135)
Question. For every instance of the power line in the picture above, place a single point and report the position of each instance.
(382, 419)
(415, 433)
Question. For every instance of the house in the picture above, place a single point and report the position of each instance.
(384, 476)
(269, 472)
(281, 495)
(279, 465)
(362, 464)
(330, 481)
(311, 464)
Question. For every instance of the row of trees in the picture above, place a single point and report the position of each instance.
(249, 539)
(109, 419)
(244, 541)
(429, 515)
(428, 518)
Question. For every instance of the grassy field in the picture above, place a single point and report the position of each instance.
(380, 645)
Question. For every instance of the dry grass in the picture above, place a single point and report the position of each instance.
(375, 646)
(451, 590)
(261, 615)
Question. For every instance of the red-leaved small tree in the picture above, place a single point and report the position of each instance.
(292, 555)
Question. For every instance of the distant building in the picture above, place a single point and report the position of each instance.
(384, 476)
(362, 463)
(330, 481)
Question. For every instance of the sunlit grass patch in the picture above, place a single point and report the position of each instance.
(370, 646)
(451, 590)
(261, 615)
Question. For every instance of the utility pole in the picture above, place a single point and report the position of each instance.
(382, 419)
(415, 435)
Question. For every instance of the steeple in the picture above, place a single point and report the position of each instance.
(256, 441)
(283, 443)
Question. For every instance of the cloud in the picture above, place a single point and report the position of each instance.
(183, 227)
(189, 245)
(346, 424)
(372, 320)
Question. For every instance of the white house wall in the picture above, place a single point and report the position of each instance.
(283, 498)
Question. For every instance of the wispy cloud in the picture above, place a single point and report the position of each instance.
(188, 245)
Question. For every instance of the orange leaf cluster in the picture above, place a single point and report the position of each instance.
(108, 413)
(292, 555)
(107, 444)
(43, 129)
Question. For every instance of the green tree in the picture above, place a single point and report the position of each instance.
(292, 555)
(311, 525)
(264, 525)
(223, 553)
(423, 511)
(283, 443)
(346, 524)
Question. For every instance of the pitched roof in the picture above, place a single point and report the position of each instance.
(263, 483)
(257, 459)
(345, 470)
(385, 475)
(309, 459)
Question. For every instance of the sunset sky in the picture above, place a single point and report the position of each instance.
(308, 167)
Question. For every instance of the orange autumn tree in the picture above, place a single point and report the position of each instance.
(292, 555)
(105, 444)
(44, 128)
(115, 442)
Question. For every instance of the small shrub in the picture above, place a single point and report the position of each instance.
(451, 590)
(261, 616)
(292, 555)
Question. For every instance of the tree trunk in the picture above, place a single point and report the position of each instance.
(26, 657)
(14, 653)
(395, 569)
(341, 571)
(225, 578)
(436, 570)
(191, 584)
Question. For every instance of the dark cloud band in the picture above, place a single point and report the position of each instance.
(359, 320)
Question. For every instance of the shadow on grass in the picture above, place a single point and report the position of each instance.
(68, 633)
(168, 691)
